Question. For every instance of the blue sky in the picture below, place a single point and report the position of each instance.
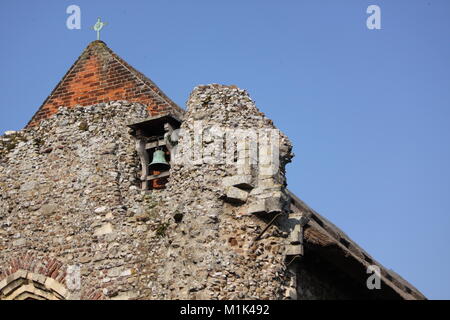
(368, 111)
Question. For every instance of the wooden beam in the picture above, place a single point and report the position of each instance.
(164, 174)
(143, 156)
(155, 144)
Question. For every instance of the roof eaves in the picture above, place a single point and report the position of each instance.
(332, 235)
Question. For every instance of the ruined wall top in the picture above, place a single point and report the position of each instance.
(71, 192)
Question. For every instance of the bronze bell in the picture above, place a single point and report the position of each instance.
(159, 162)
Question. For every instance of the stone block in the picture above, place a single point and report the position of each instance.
(269, 170)
(125, 296)
(48, 209)
(56, 286)
(115, 272)
(19, 242)
(256, 207)
(273, 205)
(100, 209)
(238, 181)
(291, 294)
(235, 195)
(294, 250)
(3, 284)
(104, 229)
(269, 184)
(39, 278)
(296, 234)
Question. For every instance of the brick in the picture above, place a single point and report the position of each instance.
(94, 70)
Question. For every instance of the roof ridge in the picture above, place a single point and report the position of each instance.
(142, 77)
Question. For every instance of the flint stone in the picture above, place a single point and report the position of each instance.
(48, 209)
(105, 229)
(100, 209)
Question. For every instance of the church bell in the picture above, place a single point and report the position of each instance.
(159, 162)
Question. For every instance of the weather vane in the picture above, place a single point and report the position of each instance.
(99, 26)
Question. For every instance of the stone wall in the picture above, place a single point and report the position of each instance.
(68, 193)
(212, 252)
(70, 197)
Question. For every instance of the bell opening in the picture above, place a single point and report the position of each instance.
(159, 166)
(159, 162)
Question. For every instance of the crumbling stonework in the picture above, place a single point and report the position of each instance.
(213, 249)
(70, 192)
(75, 224)
(67, 192)
(78, 221)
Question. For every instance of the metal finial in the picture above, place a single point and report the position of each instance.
(99, 26)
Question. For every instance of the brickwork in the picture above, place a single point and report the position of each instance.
(99, 75)
(46, 266)
(49, 273)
